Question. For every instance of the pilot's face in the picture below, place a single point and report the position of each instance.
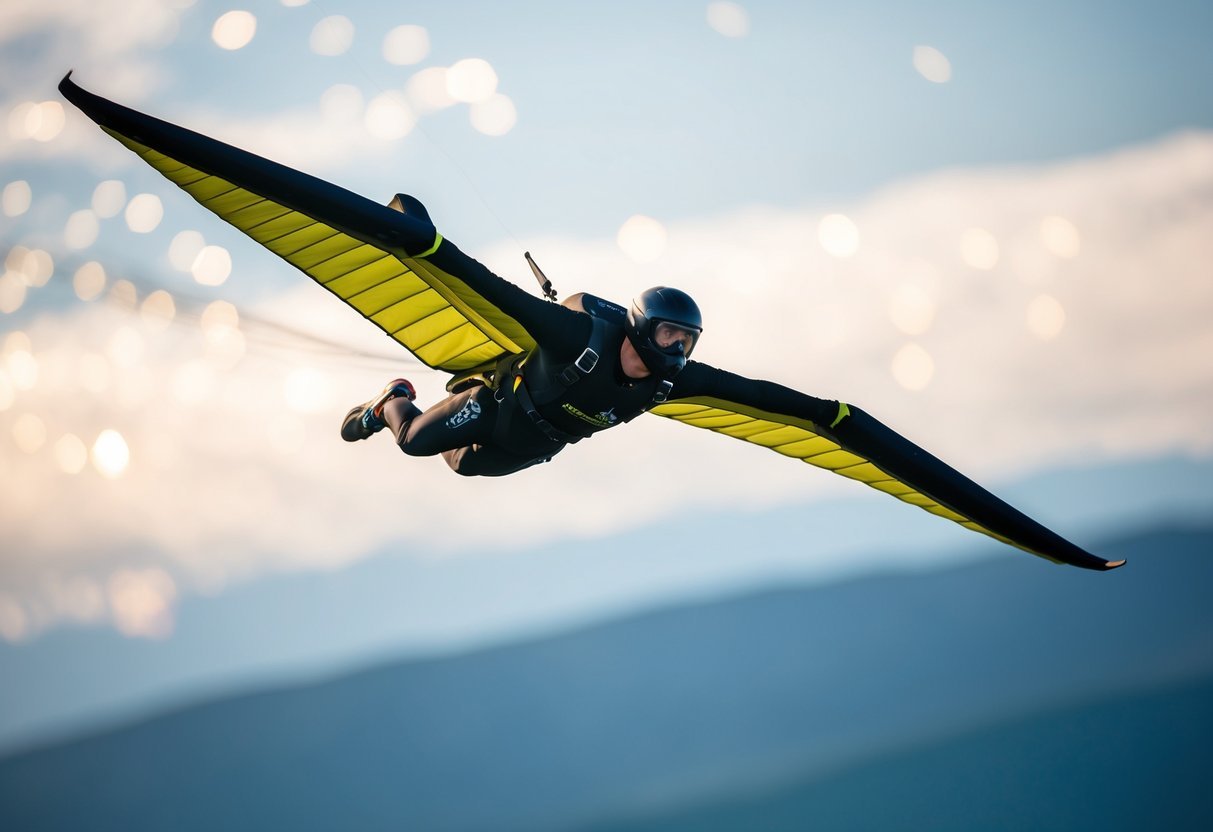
(667, 334)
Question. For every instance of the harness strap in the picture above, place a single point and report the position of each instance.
(584, 365)
(518, 390)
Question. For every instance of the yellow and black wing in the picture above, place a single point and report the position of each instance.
(857, 446)
(389, 263)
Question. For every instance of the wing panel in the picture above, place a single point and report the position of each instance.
(355, 279)
(463, 340)
(353, 262)
(860, 448)
(365, 253)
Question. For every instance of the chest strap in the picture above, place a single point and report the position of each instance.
(585, 364)
(516, 388)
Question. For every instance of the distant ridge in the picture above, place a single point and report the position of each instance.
(1132, 762)
(663, 709)
(296, 627)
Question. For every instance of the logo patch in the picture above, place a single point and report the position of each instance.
(469, 412)
(604, 419)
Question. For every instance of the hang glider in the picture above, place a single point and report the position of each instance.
(392, 266)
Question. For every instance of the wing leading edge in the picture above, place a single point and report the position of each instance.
(376, 259)
(861, 448)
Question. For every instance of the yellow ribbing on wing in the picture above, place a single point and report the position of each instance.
(799, 439)
(434, 315)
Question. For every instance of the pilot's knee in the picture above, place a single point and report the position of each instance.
(460, 461)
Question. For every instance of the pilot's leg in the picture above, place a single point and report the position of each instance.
(457, 421)
(462, 429)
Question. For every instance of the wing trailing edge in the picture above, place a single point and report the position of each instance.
(375, 258)
(861, 448)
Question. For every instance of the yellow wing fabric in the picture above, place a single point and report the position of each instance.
(378, 260)
(859, 447)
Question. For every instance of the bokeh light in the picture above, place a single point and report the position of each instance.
(388, 116)
(1060, 237)
(89, 280)
(471, 80)
(158, 310)
(212, 266)
(642, 238)
(234, 30)
(332, 36)
(427, 90)
(51, 121)
(913, 367)
(17, 341)
(81, 230)
(932, 64)
(1046, 317)
(218, 318)
(40, 121)
(838, 235)
(110, 454)
(220, 323)
(109, 198)
(16, 198)
(71, 455)
(124, 293)
(21, 364)
(406, 45)
(16, 120)
(141, 601)
(979, 249)
(29, 433)
(34, 266)
(12, 292)
(184, 250)
(14, 261)
(495, 116)
(8, 396)
(143, 213)
(729, 19)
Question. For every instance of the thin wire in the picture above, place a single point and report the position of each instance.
(256, 328)
(375, 84)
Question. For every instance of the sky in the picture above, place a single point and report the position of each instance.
(989, 225)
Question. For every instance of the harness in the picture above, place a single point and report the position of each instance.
(510, 384)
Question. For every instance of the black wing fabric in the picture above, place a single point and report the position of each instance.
(859, 447)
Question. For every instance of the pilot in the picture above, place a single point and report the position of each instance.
(596, 365)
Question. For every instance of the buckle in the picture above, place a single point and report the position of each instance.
(663, 390)
(587, 361)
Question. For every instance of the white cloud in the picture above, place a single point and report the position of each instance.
(105, 35)
(225, 478)
(40, 40)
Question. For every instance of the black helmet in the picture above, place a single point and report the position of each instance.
(663, 316)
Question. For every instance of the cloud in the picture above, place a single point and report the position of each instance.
(230, 474)
(43, 38)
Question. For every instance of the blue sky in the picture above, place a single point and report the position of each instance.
(1009, 266)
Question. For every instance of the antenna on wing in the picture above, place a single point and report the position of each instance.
(544, 283)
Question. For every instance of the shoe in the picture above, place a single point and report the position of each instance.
(366, 419)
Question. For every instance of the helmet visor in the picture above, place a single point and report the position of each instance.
(667, 335)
